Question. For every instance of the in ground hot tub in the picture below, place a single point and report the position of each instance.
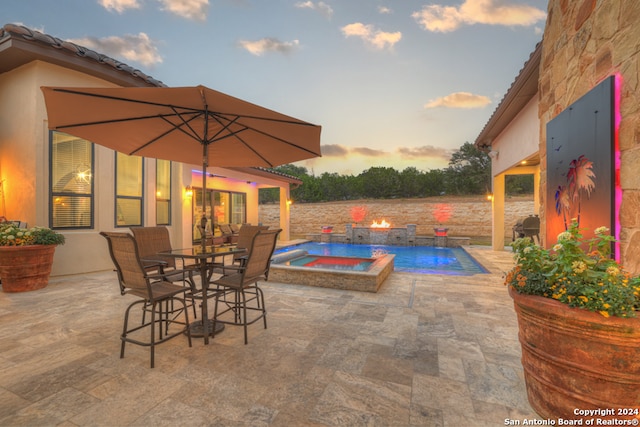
(349, 273)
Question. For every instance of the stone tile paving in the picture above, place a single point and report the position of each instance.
(426, 350)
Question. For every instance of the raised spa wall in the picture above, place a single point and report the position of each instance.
(394, 236)
(365, 281)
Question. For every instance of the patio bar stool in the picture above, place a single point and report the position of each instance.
(156, 296)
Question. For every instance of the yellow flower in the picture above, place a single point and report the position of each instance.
(604, 313)
(557, 247)
(578, 266)
(613, 271)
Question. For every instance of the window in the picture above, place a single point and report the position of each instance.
(163, 192)
(238, 208)
(71, 182)
(129, 184)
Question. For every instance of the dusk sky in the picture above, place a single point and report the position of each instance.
(393, 83)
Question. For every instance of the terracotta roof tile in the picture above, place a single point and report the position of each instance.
(23, 33)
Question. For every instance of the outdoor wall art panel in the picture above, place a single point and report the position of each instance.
(580, 164)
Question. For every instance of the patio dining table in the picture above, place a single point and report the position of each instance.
(201, 256)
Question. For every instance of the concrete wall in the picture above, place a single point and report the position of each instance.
(469, 216)
(586, 41)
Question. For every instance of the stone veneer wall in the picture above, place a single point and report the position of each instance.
(585, 41)
(469, 216)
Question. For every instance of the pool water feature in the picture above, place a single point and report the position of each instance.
(409, 259)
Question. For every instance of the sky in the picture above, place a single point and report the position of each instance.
(393, 83)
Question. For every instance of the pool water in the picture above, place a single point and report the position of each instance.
(409, 259)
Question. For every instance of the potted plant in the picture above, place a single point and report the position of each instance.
(579, 328)
(26, 256)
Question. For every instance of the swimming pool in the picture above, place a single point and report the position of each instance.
(409, 259)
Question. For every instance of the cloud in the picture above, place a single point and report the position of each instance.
(412, 153)
(337, 150)
(376, 38)
(459, 100)
(139, 48)
(424, 152)
(190, 9)
(438, 18)
(384, 10)
(119, 5)
(268, 44)
(369, 152)
(334, 150)
(320, 7)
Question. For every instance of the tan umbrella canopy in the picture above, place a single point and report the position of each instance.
(194, 125)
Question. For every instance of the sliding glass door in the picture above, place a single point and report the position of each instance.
(227, 207)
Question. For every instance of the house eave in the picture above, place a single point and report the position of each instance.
(266, 173)
(524, 87)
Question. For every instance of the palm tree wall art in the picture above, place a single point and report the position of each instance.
(581, 148)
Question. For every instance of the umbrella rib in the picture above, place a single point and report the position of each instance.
(267, 119)
(127, 119)
(120, 98)
(245, 127)
(213, 139)
(193, 133)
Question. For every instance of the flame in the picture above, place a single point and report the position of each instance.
(381, 224)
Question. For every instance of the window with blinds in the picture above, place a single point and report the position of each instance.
(129, 194)
(71, 182)
(163, 192)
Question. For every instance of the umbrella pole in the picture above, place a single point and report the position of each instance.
(203, 220)
(205, 163)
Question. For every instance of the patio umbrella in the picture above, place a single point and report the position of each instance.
(194, 125)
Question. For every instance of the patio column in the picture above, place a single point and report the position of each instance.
(536, 191)
(285, 213)
(497, 213)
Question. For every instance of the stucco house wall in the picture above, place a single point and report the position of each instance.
(24, 155)
(519, 140)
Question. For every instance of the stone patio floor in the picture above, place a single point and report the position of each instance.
(426, 350)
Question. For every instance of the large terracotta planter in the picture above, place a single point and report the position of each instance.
(574, 359)
(25, 268)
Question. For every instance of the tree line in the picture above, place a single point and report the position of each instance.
(468, 173)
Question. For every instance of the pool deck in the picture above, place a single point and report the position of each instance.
(426, 350)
